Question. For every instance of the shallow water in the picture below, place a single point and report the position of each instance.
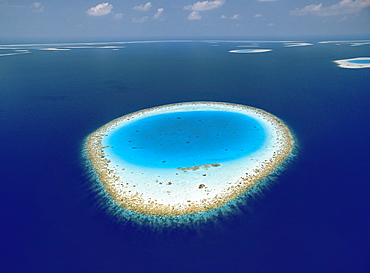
(184, 139)
(366, 61)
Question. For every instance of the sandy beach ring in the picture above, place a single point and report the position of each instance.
(185, 190)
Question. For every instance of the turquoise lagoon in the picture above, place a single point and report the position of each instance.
(182, 139)
(360, 61)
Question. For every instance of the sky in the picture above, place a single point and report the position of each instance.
(183, 18)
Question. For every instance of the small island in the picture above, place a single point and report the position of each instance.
(250, 50)
(296, 44)
(360, 62)
(185, 159)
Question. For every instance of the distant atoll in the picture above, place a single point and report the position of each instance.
(360, 62)
(297, 44)
(250, 50)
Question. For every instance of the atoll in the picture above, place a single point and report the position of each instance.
(186, 189)
(361, 62)
(250, 50)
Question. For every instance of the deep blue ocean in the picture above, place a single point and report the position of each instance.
(313, 218)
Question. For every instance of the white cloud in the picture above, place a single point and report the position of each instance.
(205, 5)
(340, 8)
(307, 9)
(118, 16)
(37, 7)
(235, 17)
(258, 15)
(266, 0)
(140, 20)
(271, 25)
(159, 13)
(99, 10)
(143, 7)
(194, 16)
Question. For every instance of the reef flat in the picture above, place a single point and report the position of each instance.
(190, 184)
(361, 62)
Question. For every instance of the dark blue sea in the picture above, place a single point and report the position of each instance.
(313, 218)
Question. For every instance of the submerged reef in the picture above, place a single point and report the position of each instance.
(185, 159)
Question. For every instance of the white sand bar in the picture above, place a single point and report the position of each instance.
(53, 49)
(180, 191)
(11, 54)
(297, 44)
(361, 62)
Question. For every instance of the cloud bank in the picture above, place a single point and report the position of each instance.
(143, 7)
(99, 10)
(234, 17)
(140, 20)
(159, 13)
(340, 8)
(205, 5)
(194, 16)
(118, 16)
(202, 6)
(37, 7)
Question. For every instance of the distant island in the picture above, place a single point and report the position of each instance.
(361, 62)
(250, 50)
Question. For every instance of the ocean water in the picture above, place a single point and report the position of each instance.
(313, 218)
(174, 140)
